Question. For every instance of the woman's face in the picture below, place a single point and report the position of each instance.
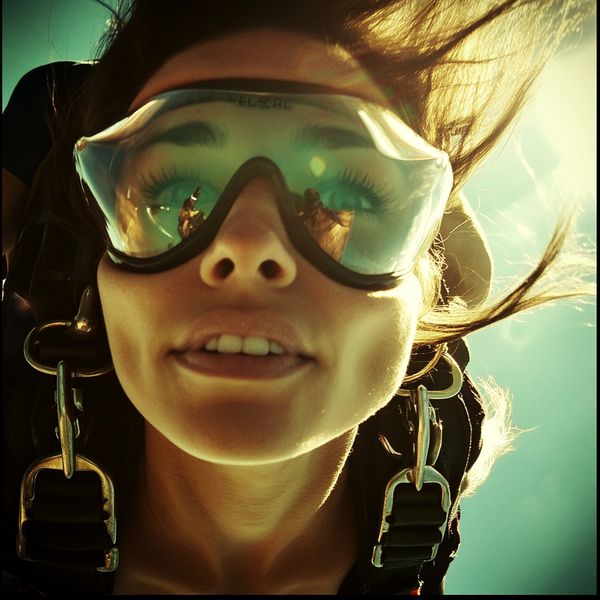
(336, 354)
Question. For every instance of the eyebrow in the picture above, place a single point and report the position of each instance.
(191, 133)
(331, 137)
(201, 133)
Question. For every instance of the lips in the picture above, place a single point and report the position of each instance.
(242, 344)
(240, 366)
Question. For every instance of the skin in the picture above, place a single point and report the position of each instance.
(243, 485)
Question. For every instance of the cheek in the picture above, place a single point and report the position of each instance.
(116, 313)
(129, 317)
(372, 357)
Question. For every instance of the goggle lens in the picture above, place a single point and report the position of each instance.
(357, 180)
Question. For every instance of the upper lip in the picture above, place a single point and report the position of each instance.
(244, 323)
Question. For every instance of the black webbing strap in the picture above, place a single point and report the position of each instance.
(65, 524)
(66, 534)
(414, 525)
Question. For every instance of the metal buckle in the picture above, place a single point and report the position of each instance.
(420, 473)
(27, 496)
(430, 475)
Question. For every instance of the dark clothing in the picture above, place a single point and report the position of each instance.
(28, 118)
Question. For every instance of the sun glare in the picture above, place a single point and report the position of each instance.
(565, 110)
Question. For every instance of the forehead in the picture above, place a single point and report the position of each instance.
(263, 54)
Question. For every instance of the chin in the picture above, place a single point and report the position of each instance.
(239, 432)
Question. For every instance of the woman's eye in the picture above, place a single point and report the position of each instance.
(345, 198)
(174, 195)
(351, 191)
(176, 206)
(168, 193)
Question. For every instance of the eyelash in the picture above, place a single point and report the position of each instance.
(366, 185)
(152, 185)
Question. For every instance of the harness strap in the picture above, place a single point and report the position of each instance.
(415, 518)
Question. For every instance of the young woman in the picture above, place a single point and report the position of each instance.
(267, 200)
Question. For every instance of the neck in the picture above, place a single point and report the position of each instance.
(247, 524)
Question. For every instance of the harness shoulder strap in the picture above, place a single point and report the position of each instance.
(62, 521)
(414, 516)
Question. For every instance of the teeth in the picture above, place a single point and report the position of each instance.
(212, 344)
(256, 345)
(234, 344)
(229, 344)
(275, 348)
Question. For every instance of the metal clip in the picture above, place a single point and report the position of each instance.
(425, 414)
(68, 424)
(421, 398)
(454, 387)
(421, 472)
(68, 399)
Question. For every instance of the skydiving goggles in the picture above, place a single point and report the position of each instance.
(360, 193)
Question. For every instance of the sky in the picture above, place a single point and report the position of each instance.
(531, 528)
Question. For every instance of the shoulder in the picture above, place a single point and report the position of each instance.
(30, 117)
(44, 89)
(62, 73)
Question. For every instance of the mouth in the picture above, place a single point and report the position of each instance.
(235, 356)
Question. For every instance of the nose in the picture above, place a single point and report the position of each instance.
(251, 247)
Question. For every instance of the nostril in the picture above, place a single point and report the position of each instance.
(235, 260)
(270, 269)
(223, 268)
